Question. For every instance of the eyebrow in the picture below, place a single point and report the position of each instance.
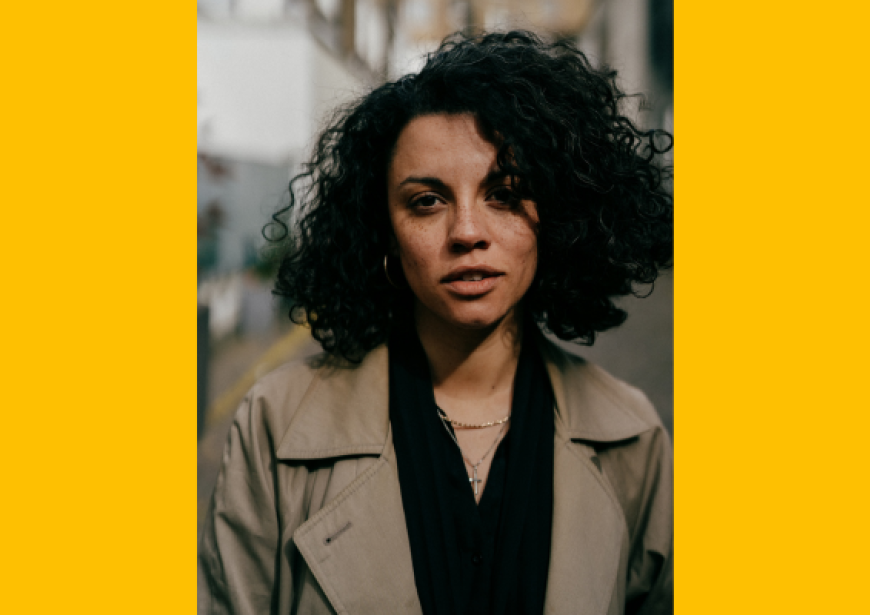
(429, 181)
(494, 176)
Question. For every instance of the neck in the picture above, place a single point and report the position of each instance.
(472, 369)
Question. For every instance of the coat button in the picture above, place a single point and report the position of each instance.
(475, 559)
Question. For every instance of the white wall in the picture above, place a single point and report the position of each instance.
(254, 92)
(331, 85)
(263, 89)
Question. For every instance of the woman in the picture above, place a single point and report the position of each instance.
(442, 456)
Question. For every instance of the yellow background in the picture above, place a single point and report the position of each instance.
(771, 335)
(98, 449)
(98, 247)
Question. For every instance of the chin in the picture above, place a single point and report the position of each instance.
(478, 315)
(477, 319)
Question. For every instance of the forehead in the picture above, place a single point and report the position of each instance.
(443, 146)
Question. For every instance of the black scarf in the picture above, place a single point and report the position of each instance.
(522, 549)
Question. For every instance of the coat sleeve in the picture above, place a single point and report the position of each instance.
(240, 541)
(650, 588)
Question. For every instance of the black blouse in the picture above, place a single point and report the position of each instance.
(477, 524)
(491, 557)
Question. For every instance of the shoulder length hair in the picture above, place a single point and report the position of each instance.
(602, 192)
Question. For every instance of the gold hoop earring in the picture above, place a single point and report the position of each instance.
(387, 272)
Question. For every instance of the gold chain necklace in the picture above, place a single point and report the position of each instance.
(444, 417)
(474, 480)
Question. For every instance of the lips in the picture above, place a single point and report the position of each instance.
(471, 273)
(472, 281)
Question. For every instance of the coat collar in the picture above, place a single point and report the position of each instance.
(346, 408)
(592, 405)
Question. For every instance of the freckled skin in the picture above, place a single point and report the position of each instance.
(467, 217)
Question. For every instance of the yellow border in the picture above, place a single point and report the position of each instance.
(772, 217)
(99, 350)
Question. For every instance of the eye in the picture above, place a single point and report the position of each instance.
(425, 201)
(506, 195)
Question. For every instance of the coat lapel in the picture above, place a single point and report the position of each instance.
(357, 546)
(590, 536)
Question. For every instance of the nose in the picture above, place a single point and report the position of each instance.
(468, 228)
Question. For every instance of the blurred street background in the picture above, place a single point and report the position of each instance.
(268, 74)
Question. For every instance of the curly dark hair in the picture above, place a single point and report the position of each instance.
(603, 196)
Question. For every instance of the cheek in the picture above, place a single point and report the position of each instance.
(418, 251)
(523, 244)
(527, 261)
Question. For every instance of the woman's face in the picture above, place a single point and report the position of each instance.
(467, 242)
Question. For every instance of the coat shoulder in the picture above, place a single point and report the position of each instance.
(273, 400)
(322, 406)
(627, 396)
(594, 404)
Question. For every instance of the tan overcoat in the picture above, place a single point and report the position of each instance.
(307, 514)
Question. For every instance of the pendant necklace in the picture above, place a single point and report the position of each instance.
(474, 480)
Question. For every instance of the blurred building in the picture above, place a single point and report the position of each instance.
(267, 72)
(633, 36)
